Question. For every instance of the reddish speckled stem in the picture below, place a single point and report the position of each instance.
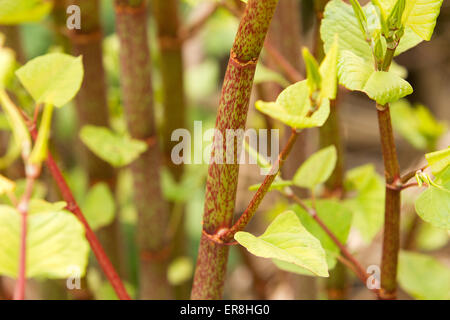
(135, 68)
(222, 178)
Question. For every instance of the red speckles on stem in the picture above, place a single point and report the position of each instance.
(222, 179)
(153, 213)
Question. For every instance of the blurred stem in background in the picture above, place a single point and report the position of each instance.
(153, 217)
(222, 179)
(331, 134)
(92, 108)
(170, 43)
(59, 18)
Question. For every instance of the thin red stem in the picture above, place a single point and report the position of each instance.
(245, 218)
(22, 207)
(356, 266)
(288, 69)
(95, 244)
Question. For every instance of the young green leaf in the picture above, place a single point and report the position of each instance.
(423, 277)
(116, 149)
(18, 126)
(433, 205)
(98, 206)
(54, 78)
(394, 20)
(6, 185)
(313, 77)
(339, 18)
(316, 169)
(385, 87)
(430, 238)
(7, 62)
(416, 124)
(438, 160)
(287, 240)
(180, 270)
(39, 152)
(336, 217)
(360, 16)
(55, 244)
(21, 11)
(293, 106)
(419, 15)
(353, 71)
(41, 206)
(328, 71)
(366, 192)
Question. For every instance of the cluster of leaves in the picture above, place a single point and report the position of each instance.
(356, 40)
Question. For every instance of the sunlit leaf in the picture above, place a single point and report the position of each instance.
(54, 78)
(293, 106)
(419, 15)
(42, 206)
(431, 238)
(423, 277)
(357, 74)
(336, 217)
(438, 160)
(99, 206)
(21, 11)
(39, 151)
(365, 190)
(287, 240)
(328, 71)
(385, 87)
(433, 205)
(316, 169)
(55, 244)
(416, 124)
(180, 270)
(118, 150)
(18, 126)
(6, 185)
(7, 62)
(313, 76)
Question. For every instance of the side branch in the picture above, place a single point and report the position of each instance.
(245, 218)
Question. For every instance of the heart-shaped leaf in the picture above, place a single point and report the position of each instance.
(54, 78)
(118, 150)
(287, 240)
(423, 277)
(316, 169)
(55, 244)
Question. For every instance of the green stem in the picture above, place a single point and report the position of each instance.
(174, 105)
(222, 178)
(131, 22)
(171, 64)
